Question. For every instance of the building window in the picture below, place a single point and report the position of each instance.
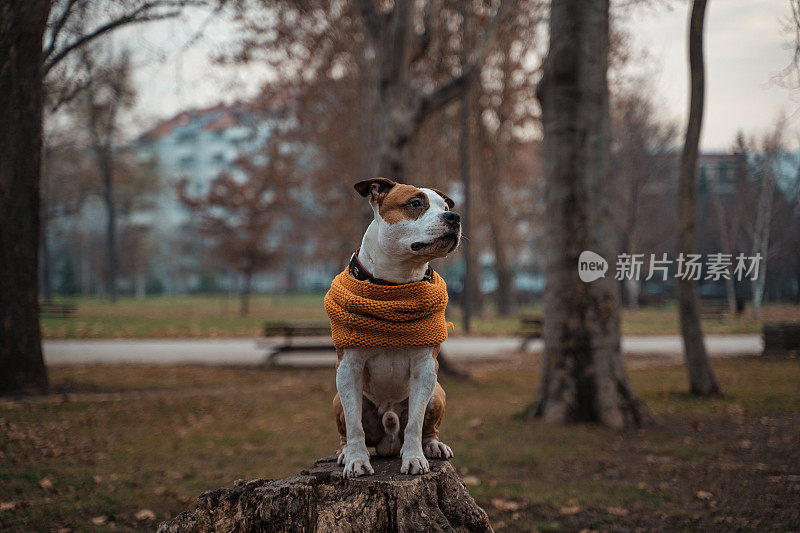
(185, 136)
(186, 162)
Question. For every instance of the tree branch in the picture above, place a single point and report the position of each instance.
(58, 26)
(457, 86)
(423, 41)
(137, 16)
(370, 17)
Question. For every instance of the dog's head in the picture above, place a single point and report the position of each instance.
(411, 220)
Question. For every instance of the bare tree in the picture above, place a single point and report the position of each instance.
(702, 381)
(99, 107)
(583, 378)
(767, 170)
(641, 159)
(401, 105)
(22, 25)
(506, 114)
(729, 211)
(405, 51)
(36, 38)
(67, 179)
(241, 213)
(471, 301)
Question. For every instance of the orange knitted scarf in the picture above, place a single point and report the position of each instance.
(367, 314)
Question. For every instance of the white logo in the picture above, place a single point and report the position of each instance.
(591, 266)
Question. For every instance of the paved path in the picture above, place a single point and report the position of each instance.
(246, 352)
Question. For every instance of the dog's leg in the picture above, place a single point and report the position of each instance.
(434, 413)
(351, 390)
(421, 385)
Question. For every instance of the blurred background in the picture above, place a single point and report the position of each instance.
(196, 200)
(212, 153)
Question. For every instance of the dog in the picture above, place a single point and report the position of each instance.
(381, 388)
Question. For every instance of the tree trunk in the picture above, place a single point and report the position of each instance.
(583, 377)
(761, 234)
(22, 24)
(470, 292)
(701, 378)
(47, 285)
(726, 240)
(244, 296)
(490, 194)
(107, 170)
(504, 299)
(393, 92)
(141, 285)
(632, 291)
(320, 500)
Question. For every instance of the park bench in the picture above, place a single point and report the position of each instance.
(290, 332)
(781, 338)
(531, 328)
(57, 310)
(713, 308)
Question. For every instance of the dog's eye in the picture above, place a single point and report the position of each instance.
(415, 204)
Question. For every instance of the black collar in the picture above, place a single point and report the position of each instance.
(358, 271)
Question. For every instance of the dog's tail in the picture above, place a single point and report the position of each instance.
(391, 424)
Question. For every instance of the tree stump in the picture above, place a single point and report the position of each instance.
(320, 500)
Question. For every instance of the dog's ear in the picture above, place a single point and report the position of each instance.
(374, 187)
(450, 203)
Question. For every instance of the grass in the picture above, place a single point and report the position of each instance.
(127, 438)
(218, 316)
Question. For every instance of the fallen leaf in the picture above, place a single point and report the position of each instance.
(617, 511)
(8, 506)
(160, 490)
(471, 481)
(145, 515)
(475, 422)
(100, 520)
(505, 505)
(46, 483)
(570, 510)
(736, 409)
(745, 444)
(702, 495)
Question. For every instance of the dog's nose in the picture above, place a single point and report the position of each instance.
(452, 218)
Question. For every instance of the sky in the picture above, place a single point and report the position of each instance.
(745, 43)
(745, 48)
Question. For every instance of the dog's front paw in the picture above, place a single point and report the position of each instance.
(413, 461)
(436, 448)
(356, 463)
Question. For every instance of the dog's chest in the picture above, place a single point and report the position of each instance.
(388, 372)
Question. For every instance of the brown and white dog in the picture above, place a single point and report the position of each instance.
(411, 227)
